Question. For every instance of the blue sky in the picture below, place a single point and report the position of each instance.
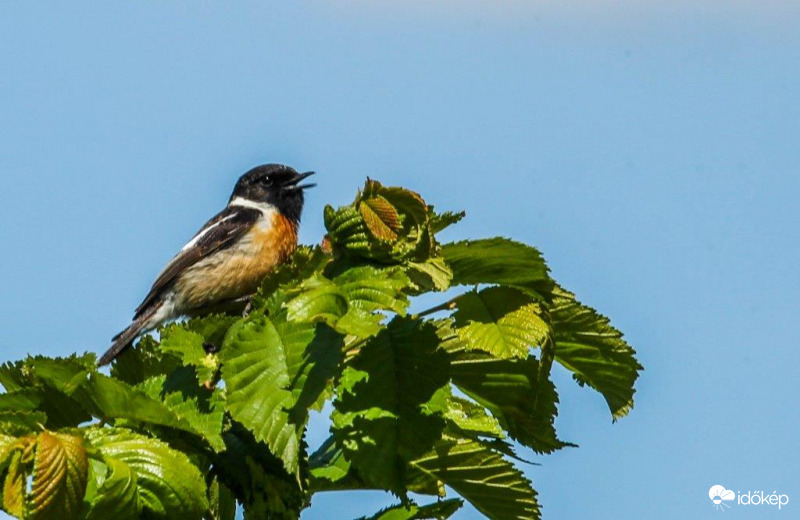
(651, 151)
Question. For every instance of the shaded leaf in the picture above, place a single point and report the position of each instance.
(511, 389)
(201, 409)
(594, 351)
(482, 477)
(390, 401)
(438, 510)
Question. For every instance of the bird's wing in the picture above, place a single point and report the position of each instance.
(218, 233)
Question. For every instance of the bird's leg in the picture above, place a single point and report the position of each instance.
(248, 306)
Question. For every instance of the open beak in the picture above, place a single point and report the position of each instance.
(299, 177)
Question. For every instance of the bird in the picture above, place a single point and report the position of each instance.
(228, 258)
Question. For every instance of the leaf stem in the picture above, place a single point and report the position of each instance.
(446, 306)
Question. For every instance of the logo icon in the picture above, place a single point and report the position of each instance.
(719, 495)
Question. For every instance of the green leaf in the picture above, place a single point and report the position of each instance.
(118, 495)
(14, 487)
(472, 419)
(440, 221)
(368, 288)
(439, 510)
(304, 262)
(187, 342)
(482, 477)
(222, 502)
(27, 399)
(203, 410)
(59, 477)
(144, 361)
(319, 299)
(385, 224)
(47, 385)
(257, 478)
(390, 401)
(274, 371)
(167, 484)
(330, 470)
(594, 351)
(499, 261)
(511, 389)
(431, 275)
(501, 321)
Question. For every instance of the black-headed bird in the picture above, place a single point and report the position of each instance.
(227, 259)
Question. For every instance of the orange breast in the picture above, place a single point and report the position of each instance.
(238, 270)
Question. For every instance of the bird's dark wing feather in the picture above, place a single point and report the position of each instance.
(218, 233)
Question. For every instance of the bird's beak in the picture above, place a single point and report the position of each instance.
(300, 176)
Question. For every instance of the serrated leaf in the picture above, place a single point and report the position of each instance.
(318, 299)
(512, 392)
(440, 221)
(501, 321)
(511, 389)
(274, 371)
(481, 476)
(438, 510)
(351, 300)
(304, 262)
(258, 478)
(472, 419)
(498, 261)
(146, 360)
(385, 224)
(433, 274)
(118, 496)
(202, 409)
(60, 474)
(187, 342)
(370, 289)
(167, 484)
(381, 218)
(588, 346)
(390, 401)
(14, 487)
(222, 502)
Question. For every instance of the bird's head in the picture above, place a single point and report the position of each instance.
(274, 184)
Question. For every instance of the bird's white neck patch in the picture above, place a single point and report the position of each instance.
(263, 207)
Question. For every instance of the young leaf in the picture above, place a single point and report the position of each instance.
(594, 351)
(59, 477)
(501, 321)
(14, 487)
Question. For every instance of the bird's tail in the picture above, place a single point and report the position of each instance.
(125, 338)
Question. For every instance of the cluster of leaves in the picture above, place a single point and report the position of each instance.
(214, 414)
